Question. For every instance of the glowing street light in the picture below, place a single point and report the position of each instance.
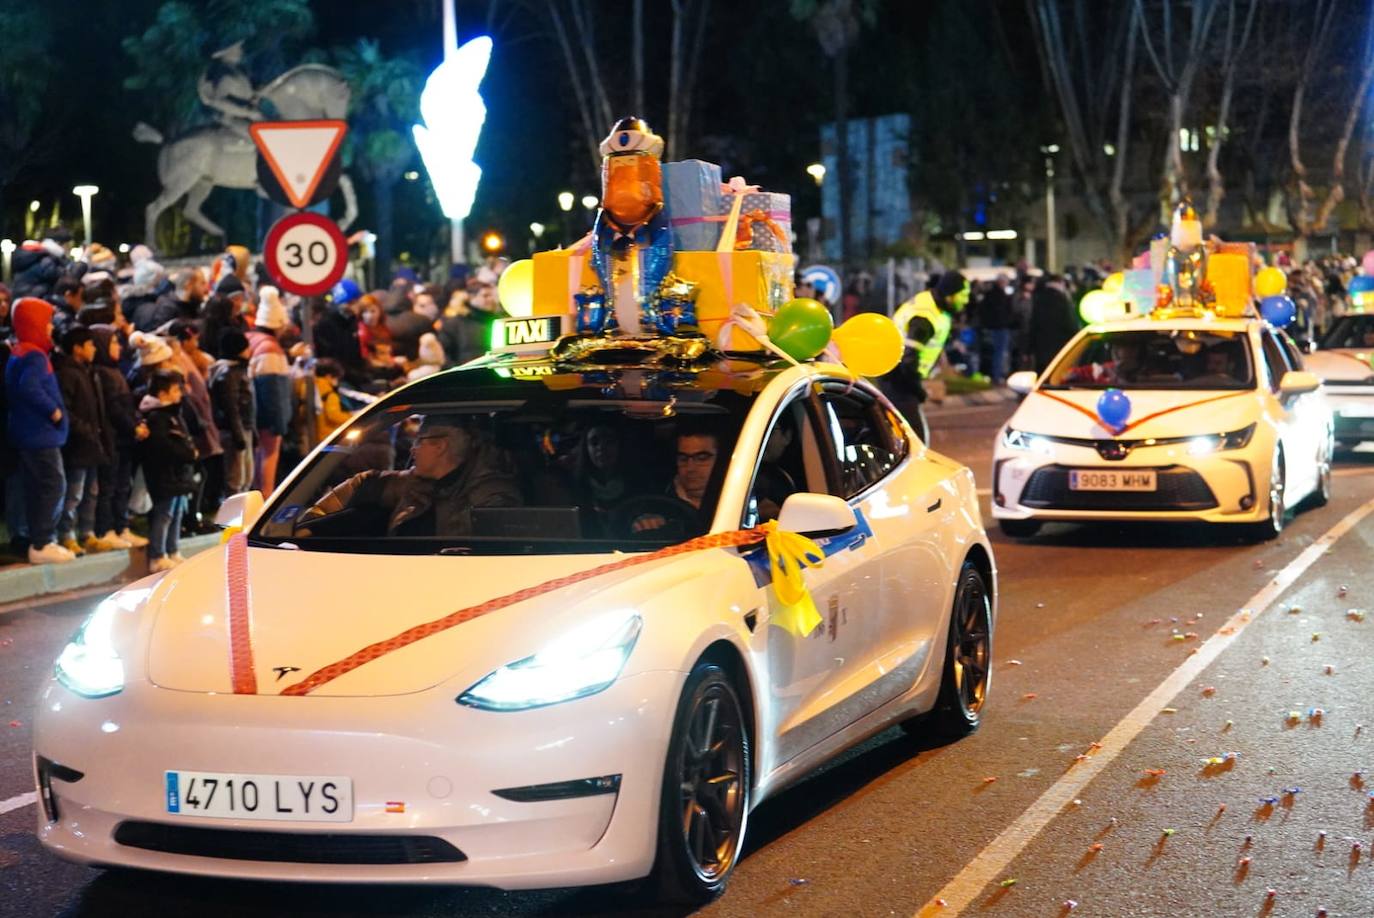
(538, 230)
(124, 248)
(453, 113)
(7, 248)
(85, 193)
(817, 172)
(33, 207)
(565, 201)
(492, 242)
(590, 201)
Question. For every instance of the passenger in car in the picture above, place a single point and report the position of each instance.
(599, 472)
(453, 470)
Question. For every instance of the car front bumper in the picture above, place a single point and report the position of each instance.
(422, 767)
(1228, 486)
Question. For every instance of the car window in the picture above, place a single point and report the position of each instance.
(867, 438)
(1350, 331)
(471, 463)
(1291, 351)
(1164, 358)
(790, 462)
(1274, 360)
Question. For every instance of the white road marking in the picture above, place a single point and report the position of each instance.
(18, 803)
(961, 891)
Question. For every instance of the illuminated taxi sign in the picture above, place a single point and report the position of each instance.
(526, 334)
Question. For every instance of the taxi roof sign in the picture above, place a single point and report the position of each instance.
(298, 153)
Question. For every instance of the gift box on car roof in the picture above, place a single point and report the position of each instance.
(1230, 270)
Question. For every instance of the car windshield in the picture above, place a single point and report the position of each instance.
(1349, 331)
(482, 461)
(1156, 359)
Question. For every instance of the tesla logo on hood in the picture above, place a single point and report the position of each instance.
(281, 671)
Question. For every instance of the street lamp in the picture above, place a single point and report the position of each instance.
(817, 172)
(565, 201)
(590, 201)
(85, 193)
(1051, 231)
(7, 248)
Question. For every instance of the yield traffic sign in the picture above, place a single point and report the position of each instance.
(306, 253)
(299, 153)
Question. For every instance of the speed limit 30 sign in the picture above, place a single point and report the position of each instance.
(306, 253)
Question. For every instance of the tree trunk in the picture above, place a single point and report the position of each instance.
(1216, 186)
(672, 144)
(591, 132)
(382, 198)
(1121, 208)
(1173, 182)
(1336, 193)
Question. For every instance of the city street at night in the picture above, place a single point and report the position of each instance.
(1098, 732)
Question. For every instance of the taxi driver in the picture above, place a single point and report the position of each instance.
(452, 471)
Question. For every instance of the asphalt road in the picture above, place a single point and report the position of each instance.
(1097, 733)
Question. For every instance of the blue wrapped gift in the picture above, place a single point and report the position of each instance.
(691, 195)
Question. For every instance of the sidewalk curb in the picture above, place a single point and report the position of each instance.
(28, 581)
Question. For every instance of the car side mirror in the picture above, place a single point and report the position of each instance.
(1298, 382)
(816, 514)
(240, 510)
(1021, 382)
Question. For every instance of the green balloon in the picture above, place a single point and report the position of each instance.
(801, 328)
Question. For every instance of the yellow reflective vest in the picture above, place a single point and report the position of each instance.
(922, 306)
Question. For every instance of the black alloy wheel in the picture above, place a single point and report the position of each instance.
(968, 662)
(706, 790)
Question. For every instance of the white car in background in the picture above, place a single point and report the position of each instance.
(609, 729)
(1225, 426)
(1342, 361)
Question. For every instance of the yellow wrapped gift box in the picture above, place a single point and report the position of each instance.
(1229, 270)
(758, 279)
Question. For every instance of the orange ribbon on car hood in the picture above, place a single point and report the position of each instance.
(788, 554)
(1087, 412)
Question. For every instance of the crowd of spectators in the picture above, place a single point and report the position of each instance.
(136, 398)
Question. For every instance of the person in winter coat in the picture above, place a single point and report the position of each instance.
(336, 332)
(168, 456)
(231, 397)
(37, 426)
(221, 312)
(200, 421)
(16, 514)
(116, 476)
(38, 265)
(270, 372)
(1052, 321)
(330, 414)
(90, 441)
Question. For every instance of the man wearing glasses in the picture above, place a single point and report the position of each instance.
(696, 460)
(452, 470)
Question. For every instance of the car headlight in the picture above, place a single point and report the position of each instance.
(1019, 439)
(88, 665)
(582, 662)
(1236, 439)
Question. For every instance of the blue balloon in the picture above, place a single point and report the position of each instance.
(1114, 408)
(1278, 310)
(1360, 283)
(968, 336)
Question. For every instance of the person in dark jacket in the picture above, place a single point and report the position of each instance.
(168, 456)
(116, 476)
(37, 426)
(998, 321)
(1052, 322)
(231, 396)
(16, 515)
(90, 441)
(453, 471)
(336, 333)
(221, 312)
(183, 301)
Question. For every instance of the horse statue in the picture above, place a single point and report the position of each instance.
(223, 155)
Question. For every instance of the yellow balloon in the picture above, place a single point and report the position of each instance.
(1100, 306)
(516, 288)
(870, 344)
(1114, 282)
(1270, 282)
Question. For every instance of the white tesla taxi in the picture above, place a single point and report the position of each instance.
(1224, 426)
(1342, 361)
(594, 729)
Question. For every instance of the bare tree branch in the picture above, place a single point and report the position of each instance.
(1335, 193)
